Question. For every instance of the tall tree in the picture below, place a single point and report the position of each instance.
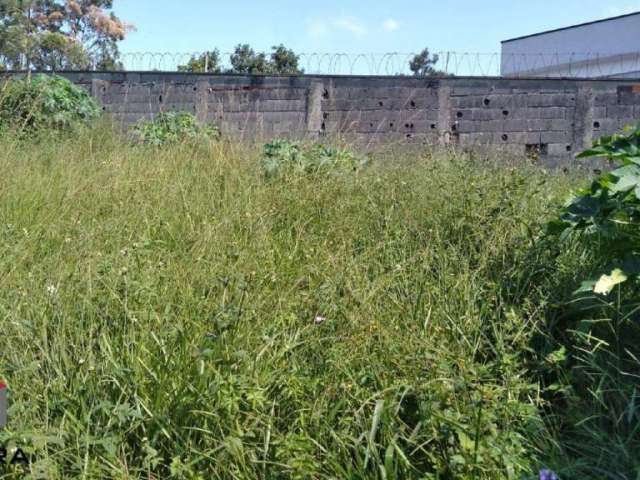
(423, 64)
(209, 62)
(284, 61)
(58, 34)
(245, 60)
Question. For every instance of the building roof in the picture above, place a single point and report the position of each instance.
(572, 27)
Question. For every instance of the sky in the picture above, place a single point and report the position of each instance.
(350, 26)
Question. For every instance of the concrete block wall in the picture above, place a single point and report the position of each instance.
(550, 119)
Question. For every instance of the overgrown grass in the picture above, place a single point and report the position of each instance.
(169, 313)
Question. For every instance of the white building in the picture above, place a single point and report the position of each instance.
(604, 48)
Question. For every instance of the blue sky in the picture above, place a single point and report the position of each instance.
(350, 26)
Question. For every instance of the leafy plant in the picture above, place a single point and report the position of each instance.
(283, 156)
(173, 127)
(608, 212)
(44, 102)
(600, 326)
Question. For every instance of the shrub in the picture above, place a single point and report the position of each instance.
(607, 214)
(599, 328)
(44, 102)
(173, 127)
(282, 156)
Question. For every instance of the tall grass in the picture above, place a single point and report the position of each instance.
(169, 313)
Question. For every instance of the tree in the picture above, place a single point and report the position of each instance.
(423, 64)
(244, 60)
(282, 61)
(208, 62)
(60, 34)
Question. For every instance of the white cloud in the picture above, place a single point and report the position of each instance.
(390, 25)
(318, 28)
(350, 25)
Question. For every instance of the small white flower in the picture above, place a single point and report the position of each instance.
(319, 320)
(52, 290)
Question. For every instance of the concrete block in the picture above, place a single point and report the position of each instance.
(605, 98)
(557, 137)
(559, 149)
(620, 111)
(546, 112)
(551, 100)
(487, 114)
(470, 101)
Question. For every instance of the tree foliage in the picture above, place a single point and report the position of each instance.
(245, 60)
(59, 34)
(423, 64)
(209, 62)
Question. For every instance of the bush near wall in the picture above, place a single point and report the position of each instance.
(44, 102)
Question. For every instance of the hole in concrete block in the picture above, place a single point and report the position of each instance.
(325, 94)
(486, 102)
(195, 89)
(505, 113)
(381, 104)
(459, 115)
(535, 150)
(411, 125)
(433, 126)
(505, 137)
(596, 124)
(104, 109)
(323, 127)
(371, 124)
(413, 104)
(325, 115)
(391, 125)
(597, 171)
(569, 148)
(408, 135)
(160, 98)
(406, 125)
(454, 127)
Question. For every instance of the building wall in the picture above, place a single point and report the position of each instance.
(609, 48)
(552, 118)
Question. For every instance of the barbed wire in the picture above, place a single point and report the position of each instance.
(547, 65)
(571, 65)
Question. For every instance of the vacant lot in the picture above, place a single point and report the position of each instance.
(170, 313)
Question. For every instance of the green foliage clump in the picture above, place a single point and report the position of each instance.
(173, 127)
(44, 102)
(598, 329)
(207, 62)
(246, 61)
(607, 214)
(283, 156)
